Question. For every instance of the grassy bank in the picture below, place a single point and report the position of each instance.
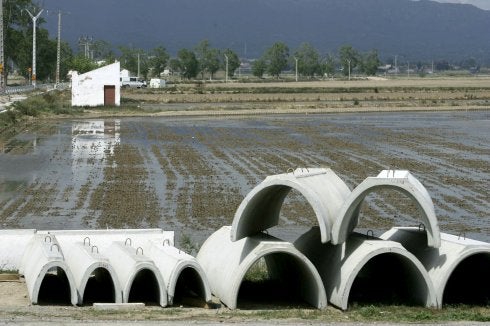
(364, 314)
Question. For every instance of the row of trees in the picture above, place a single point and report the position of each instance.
(203, 60)
(310, 63)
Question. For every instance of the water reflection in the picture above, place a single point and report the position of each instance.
(94, 140)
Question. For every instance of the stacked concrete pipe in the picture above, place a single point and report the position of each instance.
(340, 256)
(459, 268)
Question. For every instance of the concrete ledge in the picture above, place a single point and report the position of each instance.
(398, 180)
(341, 265)
(322, 189)
(226, 263)
(441, 263)
(172, 263)
(119, 306)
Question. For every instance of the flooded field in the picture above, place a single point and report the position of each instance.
(190, 174)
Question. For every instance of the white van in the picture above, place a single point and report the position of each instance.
(133, 82)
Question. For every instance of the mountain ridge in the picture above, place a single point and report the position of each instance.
(412, 29)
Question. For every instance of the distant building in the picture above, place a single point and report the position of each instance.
(97, 87)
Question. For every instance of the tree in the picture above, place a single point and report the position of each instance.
(103, 51)
(276, 58)
(82, 64)
(330, 63)
(259, 67)
(188, 64)
(233, 61)
(370, 63)
(159, 60)
(349, 59)
(129, 60)
(308, 60)
(208, 58)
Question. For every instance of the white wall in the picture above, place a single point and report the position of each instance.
(88, 89)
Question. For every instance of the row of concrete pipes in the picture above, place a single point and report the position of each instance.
(329, 263)
(103, 266)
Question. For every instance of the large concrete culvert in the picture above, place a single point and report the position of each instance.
(389, 278)
(144, 288)
(324, 191)
(99, 287)
(369, 270)
(396, 180)
(459, 269)
(469, 282)
(55, 288)
(276, 280)
(226, 264)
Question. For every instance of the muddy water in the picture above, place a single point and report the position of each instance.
(190, 174)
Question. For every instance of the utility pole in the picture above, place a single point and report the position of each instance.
(138, 65)
(296, 60)
(34, 24)
(348, 61)
(2, 57)
(58, 51)
(226, 69)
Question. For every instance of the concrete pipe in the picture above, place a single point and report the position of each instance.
(398, 180)
(459, 269)
(369, 270)
(95, 278)
(182, 274)
(48, 277)
(226, 263)
(140, 279)
(260, 210)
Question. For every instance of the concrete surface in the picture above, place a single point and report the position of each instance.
(226, 263)
(399, 180)
(442, 262)
(322, 188)
(13, 244)
(341, 265)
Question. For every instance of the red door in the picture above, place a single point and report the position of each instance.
(109, 95)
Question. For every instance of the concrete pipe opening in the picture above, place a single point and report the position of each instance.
(55, 288)
(277, 280)
(145, 288)
(389, 279)
(469, 283)
(99, 288)
(189, 289)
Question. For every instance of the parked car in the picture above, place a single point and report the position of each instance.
(133, 82)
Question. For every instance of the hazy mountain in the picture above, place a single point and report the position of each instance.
(412, 29)
(483, 4)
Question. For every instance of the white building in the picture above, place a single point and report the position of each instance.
(97, 87)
